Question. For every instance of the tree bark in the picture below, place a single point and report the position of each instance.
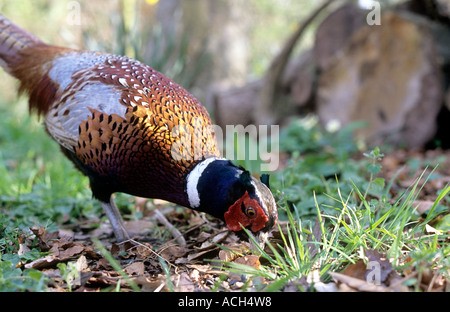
(264, 114)
(388, 76)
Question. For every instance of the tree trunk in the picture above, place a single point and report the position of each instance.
(388, 76)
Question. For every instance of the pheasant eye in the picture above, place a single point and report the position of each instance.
(250, 212)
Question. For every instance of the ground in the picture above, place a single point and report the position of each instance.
(86, 258)
(372, 208)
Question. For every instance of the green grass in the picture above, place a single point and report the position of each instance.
(36, 180)
(337, 240)
(336, 208)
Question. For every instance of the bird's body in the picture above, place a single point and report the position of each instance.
(130, 129)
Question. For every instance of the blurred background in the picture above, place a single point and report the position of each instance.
(197, 43)
(264, 62)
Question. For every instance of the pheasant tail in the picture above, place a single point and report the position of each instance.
(12, 40)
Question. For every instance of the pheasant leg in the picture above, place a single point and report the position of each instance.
(116, 220)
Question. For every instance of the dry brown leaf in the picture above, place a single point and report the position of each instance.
(213, 241)
(379, 262)
(135, 268)
(138, 227)
(355, 283)
(42, 263)
(203, 268)
(68, 253)
(55, 258)
(140, 251)
(81, 264)
(195, 221)
(200, 255)
(103, 279)
(250, 260)
(102, 264)
(431, 280)
(149, 284)
(356, 270)
(171, 253)
(123, 249)
(376, 275)
(45, 239)
(183, 283)
(233, 251)
(23, 249)
(203, 236)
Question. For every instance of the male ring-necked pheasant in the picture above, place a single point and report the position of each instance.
(120, 121)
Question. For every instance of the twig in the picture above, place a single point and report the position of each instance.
(268, 92)
(157, 254)
(175, 233)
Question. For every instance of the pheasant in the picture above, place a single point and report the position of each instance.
(121, 123)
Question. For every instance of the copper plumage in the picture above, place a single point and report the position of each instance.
(131, 129)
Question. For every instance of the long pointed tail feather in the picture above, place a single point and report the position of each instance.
(12, 40)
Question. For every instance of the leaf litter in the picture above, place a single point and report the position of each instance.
(140, 258)
(195, 260)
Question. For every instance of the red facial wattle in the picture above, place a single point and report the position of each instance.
(236, 218)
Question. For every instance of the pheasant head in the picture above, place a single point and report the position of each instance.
(230, 193)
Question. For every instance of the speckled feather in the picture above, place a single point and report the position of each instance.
(114, 116)
(135, 149)
(131, 129)
(118, 115)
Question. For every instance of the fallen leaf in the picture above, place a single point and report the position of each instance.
(431, 230)
(42, 263)
(379, 264)
(377, 272)
(81, 264)
(200, 255)
(69, 252)
(138, 227)
(204, 268)
(23, 248)
(355, 283)
(203, 236)
(149, 284)
(102, 264)
(183, 283)
(135, 268)
(140, 251)
(171, 253)
(55, 258)
(45, 238)
(213, 241)
(432, 280)
(232, 251)
(250, 260)
(356, 270)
